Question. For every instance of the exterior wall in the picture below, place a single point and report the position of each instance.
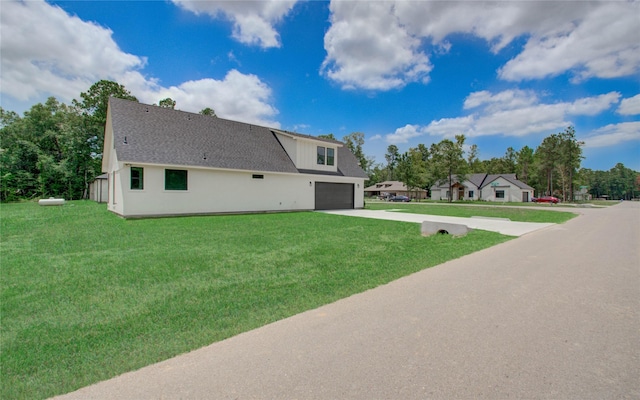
(512, 193)
(307, 156)
(440, 193)
(290, 145)
(116, 199)
(221, 191)
(99, 190)
(303, 152)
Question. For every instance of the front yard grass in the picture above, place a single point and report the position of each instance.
(86, 295)
(466, 211)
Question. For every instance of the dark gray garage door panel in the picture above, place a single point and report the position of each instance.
(334, 196)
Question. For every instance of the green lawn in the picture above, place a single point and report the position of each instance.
(87, 295)
(467, 211)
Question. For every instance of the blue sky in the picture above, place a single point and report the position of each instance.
(401, 72)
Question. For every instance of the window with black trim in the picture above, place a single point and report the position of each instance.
(471, 193)
(257, 176)
(321, 155)
(137, 178)
(175, 179)
(499, 194)
(330, 156)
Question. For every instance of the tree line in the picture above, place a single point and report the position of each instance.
(553, 168)
(55, 149)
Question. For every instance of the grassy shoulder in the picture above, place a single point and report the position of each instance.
(87, 295)
(467, 211)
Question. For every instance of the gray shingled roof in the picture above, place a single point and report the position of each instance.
(156, 135)
(482, 180)
(509, 177)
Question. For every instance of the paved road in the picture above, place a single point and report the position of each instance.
(554, 314)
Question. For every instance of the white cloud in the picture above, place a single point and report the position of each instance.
(253, 21)
(368, 48)
(601, 42)
(630, 106)
(379, 45)
(237, 97)
(505, 100)
(404, 134)
(450, 127)
(613, 134)
(593, 105)
(508, 113)
(46, 52)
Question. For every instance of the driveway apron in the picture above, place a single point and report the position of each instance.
(554, 314)
(506, 227)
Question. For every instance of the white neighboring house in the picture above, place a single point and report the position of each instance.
(498, 187)
(164, 162)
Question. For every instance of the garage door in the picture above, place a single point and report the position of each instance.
(334, 196)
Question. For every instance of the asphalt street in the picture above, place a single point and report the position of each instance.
(553, 314)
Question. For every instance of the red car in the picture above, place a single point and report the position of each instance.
(545, 199)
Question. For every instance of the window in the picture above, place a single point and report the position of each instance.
(471, 194)
(175, 179)
(256, 176)
(321, 155)
(137, 178)
(330, 156)
(499, 194)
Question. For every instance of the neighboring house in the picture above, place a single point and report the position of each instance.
(162, 161)
(498, 187)
(394, 188)
(99, 189)
(582, 194)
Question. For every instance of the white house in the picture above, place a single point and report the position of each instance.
(162, 162)
(498, 187)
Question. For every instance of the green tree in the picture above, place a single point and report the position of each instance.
(354, 142)
(207, 111)
(569, 159)
(546, 159)
(411, 170)
(167, 103)
(93, 108)
(45, 153)
(475, 165)
(448, 160)
(524, 163)
(392, 157)
(509, 161)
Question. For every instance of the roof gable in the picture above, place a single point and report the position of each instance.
(482, 180)
(511, 178)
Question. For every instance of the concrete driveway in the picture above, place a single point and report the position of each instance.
(488, 224)
(554, 314)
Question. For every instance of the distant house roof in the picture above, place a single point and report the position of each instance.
(390, 186)
(482, 180)
(156, 135)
